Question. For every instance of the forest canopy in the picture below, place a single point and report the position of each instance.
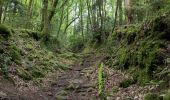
(78, 20)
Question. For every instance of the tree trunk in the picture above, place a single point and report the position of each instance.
(1, 12)
(115, 20)
(81, 14)
(52, 12)
(45, 17)
(120, 12)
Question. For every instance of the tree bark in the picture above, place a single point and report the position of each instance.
(52, 12)
(115, 20)
(45, 17)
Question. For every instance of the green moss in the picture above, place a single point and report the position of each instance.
(151, 96)
(29, 46)
(15, 53)
(4, 31)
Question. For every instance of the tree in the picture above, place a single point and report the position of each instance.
(45, 20)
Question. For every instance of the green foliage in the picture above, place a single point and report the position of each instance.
(167, 96)
(50, 42)
(76, 43)
(25, 75)
(34, 34)
(101, 81)
(143, 77)
(115, 89)
(151, 96)
(126, 83)
(15, 53)
(140, 48)
(122, 56)
(4, 62)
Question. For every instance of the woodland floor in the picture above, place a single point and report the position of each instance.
(78, 83)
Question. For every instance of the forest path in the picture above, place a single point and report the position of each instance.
(77, 83)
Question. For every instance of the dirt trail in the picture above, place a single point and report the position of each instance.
(75, 84)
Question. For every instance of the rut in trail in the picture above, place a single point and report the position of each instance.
(75, 84)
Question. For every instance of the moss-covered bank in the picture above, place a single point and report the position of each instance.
(143, 50)
(22, 56)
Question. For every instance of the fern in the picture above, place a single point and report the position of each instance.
(101, 81)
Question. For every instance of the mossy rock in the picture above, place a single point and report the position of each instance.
(4, 31)
(29, 46)
(151, 96)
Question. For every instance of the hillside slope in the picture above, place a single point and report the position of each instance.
(26, 64)
(142, 52)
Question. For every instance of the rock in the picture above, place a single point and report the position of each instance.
(59, 97)
(50, 94)
(168, 60)
(76, 81)
(62, 93)
(72, 87)
(118, 98)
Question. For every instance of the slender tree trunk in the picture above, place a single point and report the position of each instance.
(1, 12)
(30, 8)
(81, 14)
(45, 17)
(52, 12)
(120, 12)
(89, 13)
(115, 20)
(4, 14)
(61, 21)
(70, 24)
